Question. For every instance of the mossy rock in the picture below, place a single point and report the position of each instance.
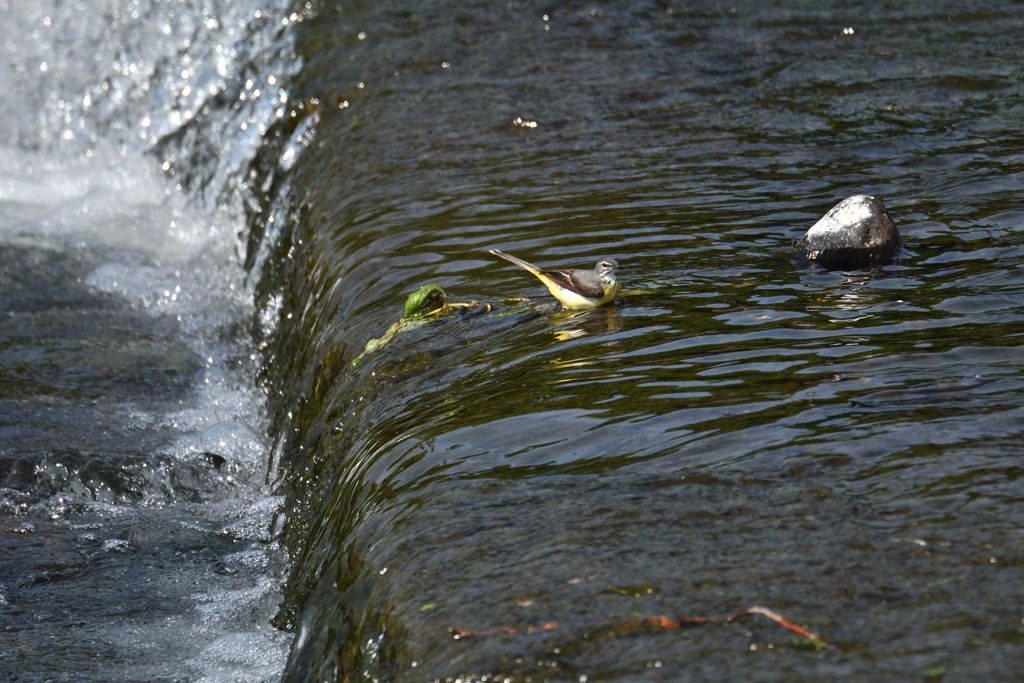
(424, 301)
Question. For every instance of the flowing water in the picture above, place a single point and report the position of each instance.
(135, 516)
(186, 470)
(840, 447)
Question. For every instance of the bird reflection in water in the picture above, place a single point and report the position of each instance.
(571, 325)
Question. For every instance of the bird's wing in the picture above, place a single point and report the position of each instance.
(583, 282)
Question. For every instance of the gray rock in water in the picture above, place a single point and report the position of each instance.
(857, 231)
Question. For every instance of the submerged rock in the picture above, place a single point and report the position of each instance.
(857, 231)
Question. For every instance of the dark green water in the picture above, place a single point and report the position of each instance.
(841, 447)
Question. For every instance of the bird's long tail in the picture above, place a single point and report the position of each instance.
(518, 261)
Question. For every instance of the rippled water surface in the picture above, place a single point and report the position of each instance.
(841, 447)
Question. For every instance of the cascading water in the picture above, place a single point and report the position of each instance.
(135, 512)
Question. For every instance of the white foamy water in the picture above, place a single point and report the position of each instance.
(129, 129)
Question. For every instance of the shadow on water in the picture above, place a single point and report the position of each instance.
(841, 447)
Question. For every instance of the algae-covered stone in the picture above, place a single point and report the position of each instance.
(426, 300)
(430, 303)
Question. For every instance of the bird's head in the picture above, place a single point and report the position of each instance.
(606, 267)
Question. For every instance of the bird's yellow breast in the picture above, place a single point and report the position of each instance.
(571, 299)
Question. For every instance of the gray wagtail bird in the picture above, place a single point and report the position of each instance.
(575, 288)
